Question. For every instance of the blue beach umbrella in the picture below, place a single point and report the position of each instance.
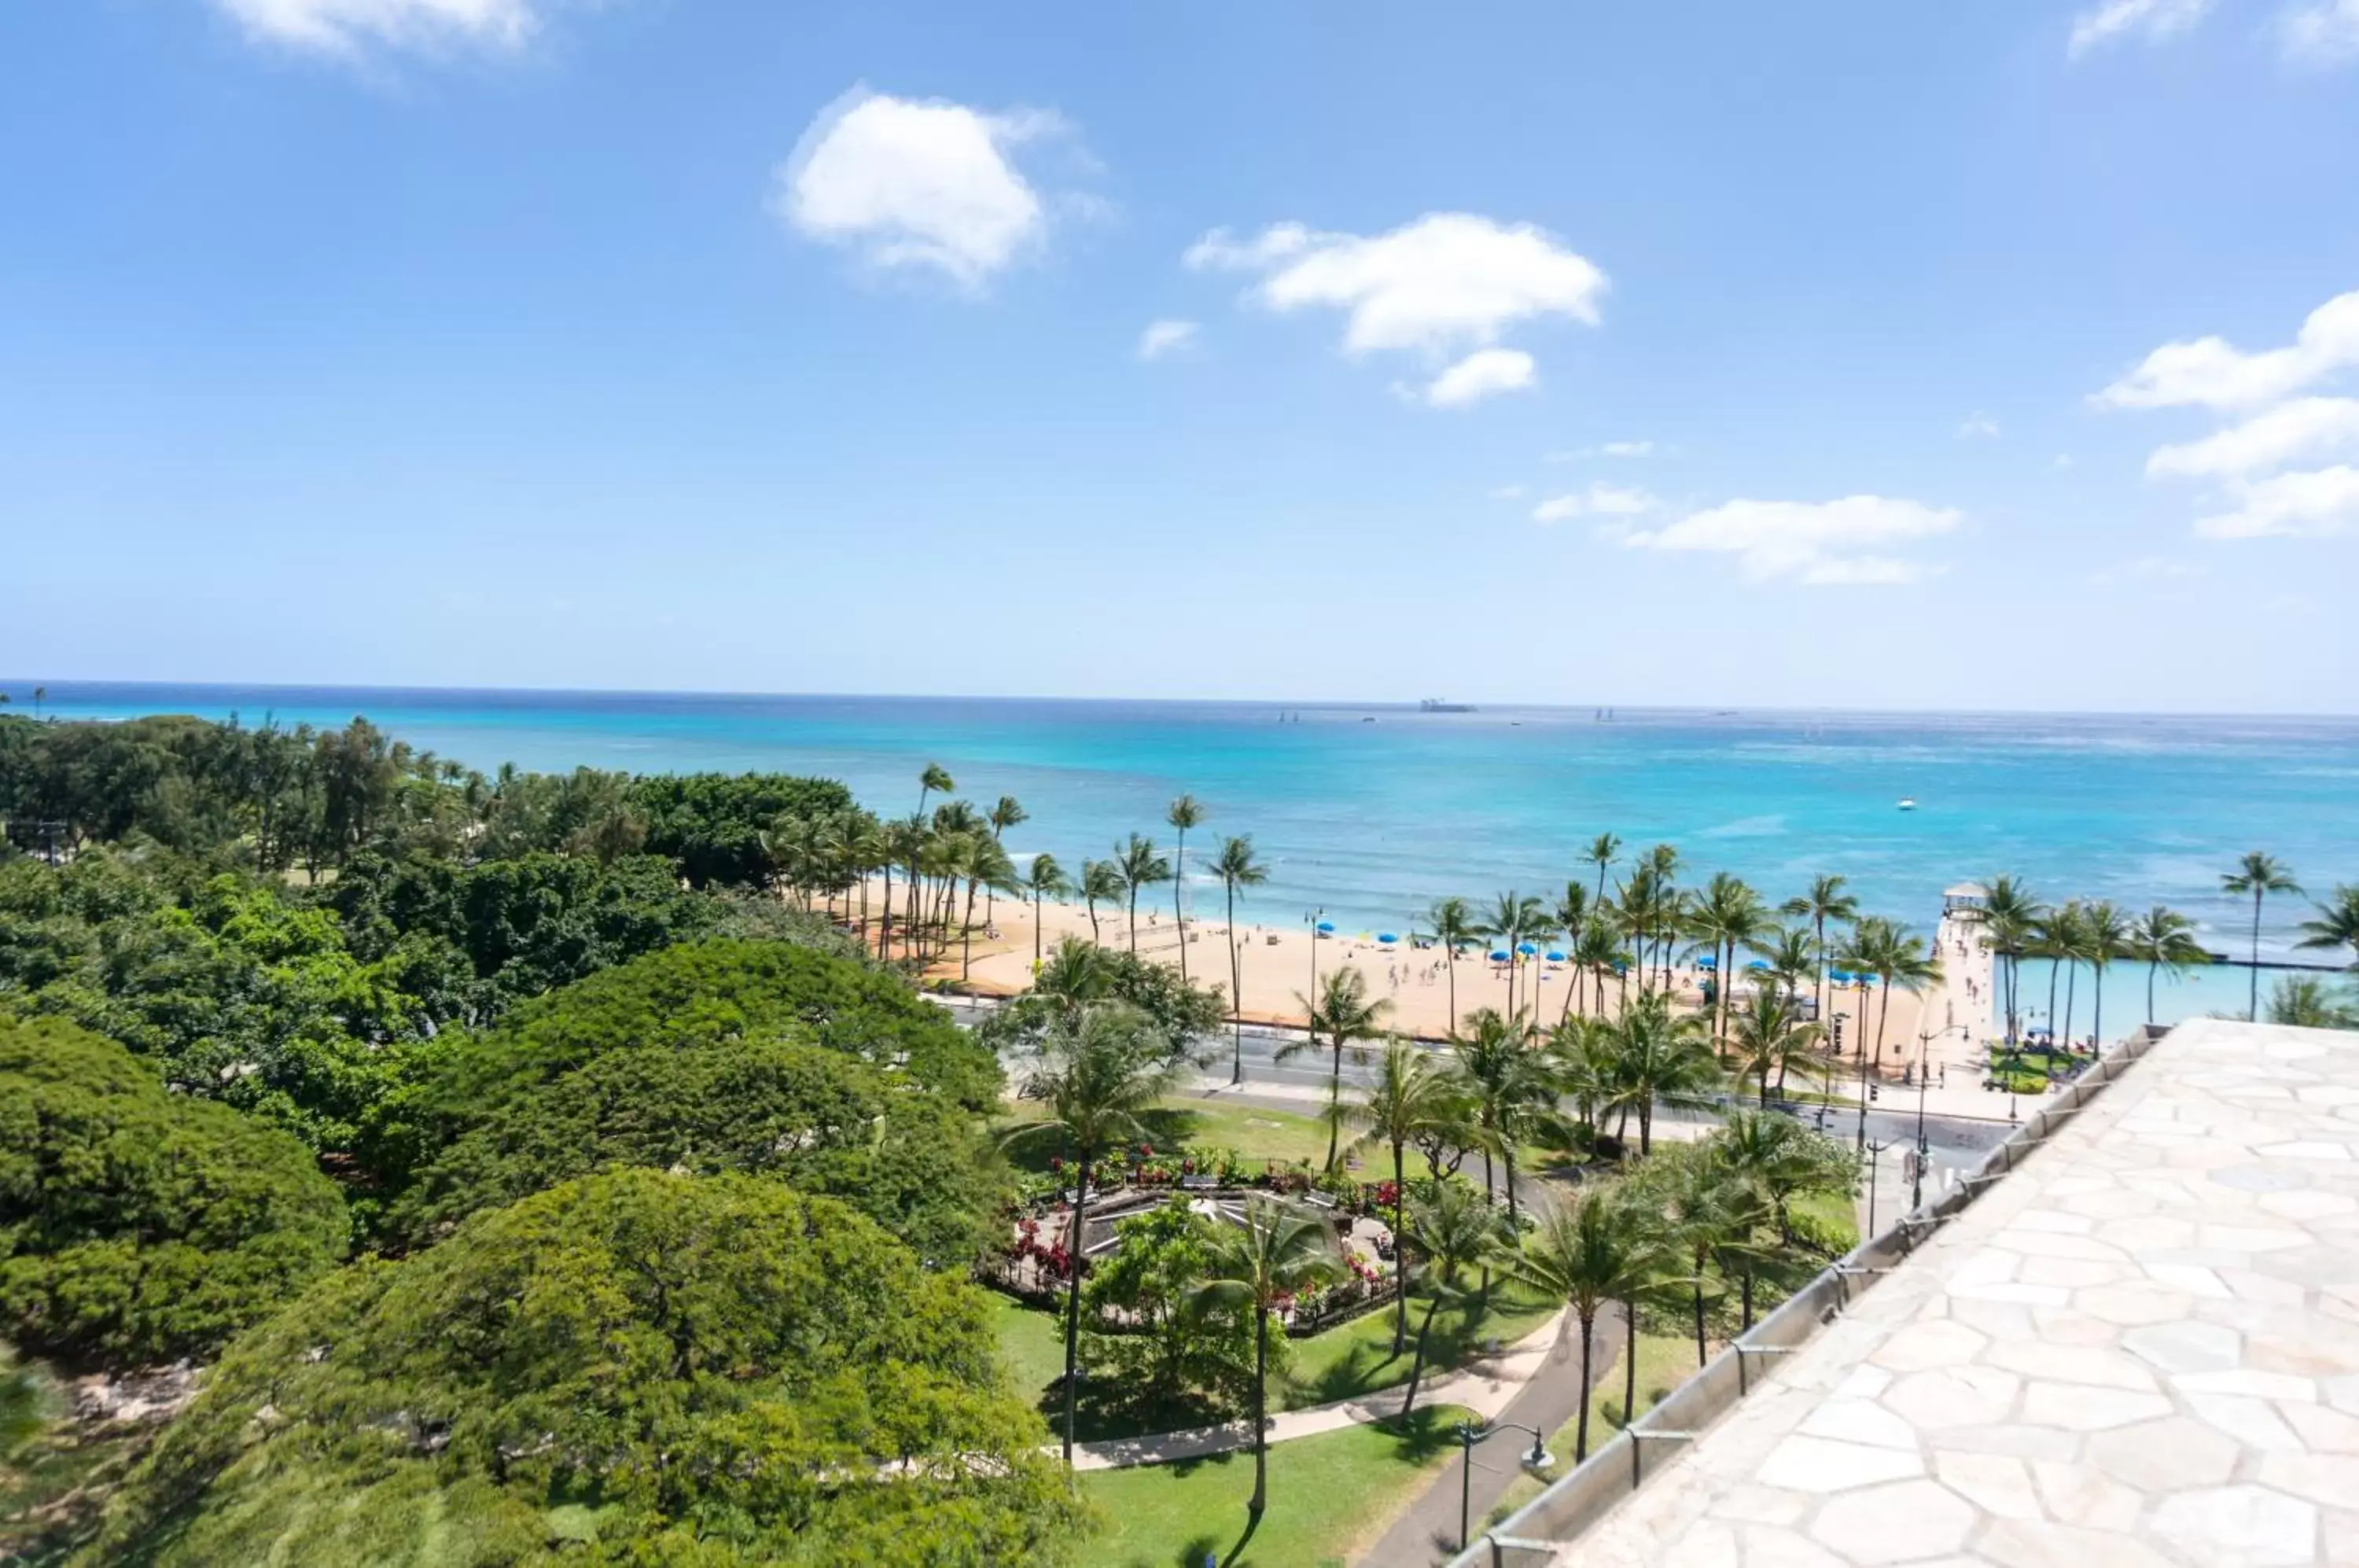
(1526, 948)
(1839, 976)
(1386, 936)
(1758, 966)
(1707, 962)
(1326, 928)
(1556, 958)
(1499, 955)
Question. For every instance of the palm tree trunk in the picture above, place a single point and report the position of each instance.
(1036, 932)
(1745, 1289)
(885, 936)
(2097, 1003)
(1260, 1411)
(1580, 1431)
(1179, 915)
(1509, 1145)
(1334, 1100)
(1449, 952)
(2149, 989)
(1696, 1290)
(1133, 919)
(1416, 1365)
(1629, 1361)
(1400, 1253)
(1236, 994)
(2252, 1007)
(1073, 1307)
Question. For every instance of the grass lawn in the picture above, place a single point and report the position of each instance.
(1340, 1363)
(1663, 1363)
(1254, 1133)
(1357, 1359)
(1330, 1498)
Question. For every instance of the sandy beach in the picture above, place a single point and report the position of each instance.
(1276, 967)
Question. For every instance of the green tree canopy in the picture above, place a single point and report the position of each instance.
(812, 1118)
(633, 1369)
(138, 1225)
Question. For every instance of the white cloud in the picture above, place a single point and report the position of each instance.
(920, 184)
(2307, 428)
(1978, 425)
(1445, 284)
(1509, 493)
(2322, 502)
(1486, 373)
(1163, 337)
(350, 26)
(1830, 542)
(2153, 20)
(1627, 448)
(2325, 33)
(1601, 500)
(2213, 373)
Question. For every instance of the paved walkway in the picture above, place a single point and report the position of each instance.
(2140, 1350)
(1485, 1387)
(1428, 1533)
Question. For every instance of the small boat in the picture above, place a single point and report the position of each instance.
(1908, 802)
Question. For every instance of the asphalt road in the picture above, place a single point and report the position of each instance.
(1951, 1142)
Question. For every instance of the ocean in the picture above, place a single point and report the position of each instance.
(1365, 814)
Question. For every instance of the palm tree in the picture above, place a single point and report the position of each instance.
(2260, 874)
(2162, 939)
(2104, 936)
(1728, 915)
(1595, 953)
(1772, 1037)
(2338, 922)
(1791, 952)
(1602, 851)
(1701, 1210)
(1453, 1230)
(1007, 813)
(1453, 926)
(1098, 1071)
(1101, 882)
(1586, 1254)
(1184, 814)
(1662, 1059)
(1780, 1159)
(1044, 879)
(1883, 948)
(1275, 1252)
(1512, 919)
(1509, 1085)
(1408, 1098)
(1825, 901)
(1139, 866)
(1344, 1016)
(1236, 868)
(1572, 914)
(933, 780)
(2056, 936)
(2009, 913)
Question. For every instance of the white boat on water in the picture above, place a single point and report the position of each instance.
(1908, 802)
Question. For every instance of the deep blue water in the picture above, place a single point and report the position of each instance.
(1371, 821)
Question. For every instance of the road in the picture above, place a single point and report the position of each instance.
(1952, 1143)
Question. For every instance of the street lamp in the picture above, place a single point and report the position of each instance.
(1469, 1434)
(1924, 1042)
(1311, 920)
(1874, 1154)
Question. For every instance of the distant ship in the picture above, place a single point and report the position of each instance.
(1908, 802)
(1436, 705)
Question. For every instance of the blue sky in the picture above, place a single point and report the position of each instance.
(1846, 354)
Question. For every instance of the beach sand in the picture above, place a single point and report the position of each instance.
(1275, 966)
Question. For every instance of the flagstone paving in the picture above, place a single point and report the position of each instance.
(2140, 1350)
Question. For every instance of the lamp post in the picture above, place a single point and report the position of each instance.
(1874, 1154)
(1469, 1434)
(1312, 920)
(1924, 1042)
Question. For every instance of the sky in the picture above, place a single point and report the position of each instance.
(2001, 355)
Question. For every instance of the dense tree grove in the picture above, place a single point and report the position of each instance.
(662, 1184)
(136, 1226)
(632, 1368)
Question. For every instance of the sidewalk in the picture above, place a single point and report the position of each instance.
(1485, 1387)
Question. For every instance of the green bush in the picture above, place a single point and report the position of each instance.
(138, 1225)
(637, 1369)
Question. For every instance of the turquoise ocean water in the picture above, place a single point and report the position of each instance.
(1371, 813)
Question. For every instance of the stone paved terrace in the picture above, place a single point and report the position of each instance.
(2141, 1348)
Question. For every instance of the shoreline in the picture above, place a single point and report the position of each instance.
(1276, 966)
